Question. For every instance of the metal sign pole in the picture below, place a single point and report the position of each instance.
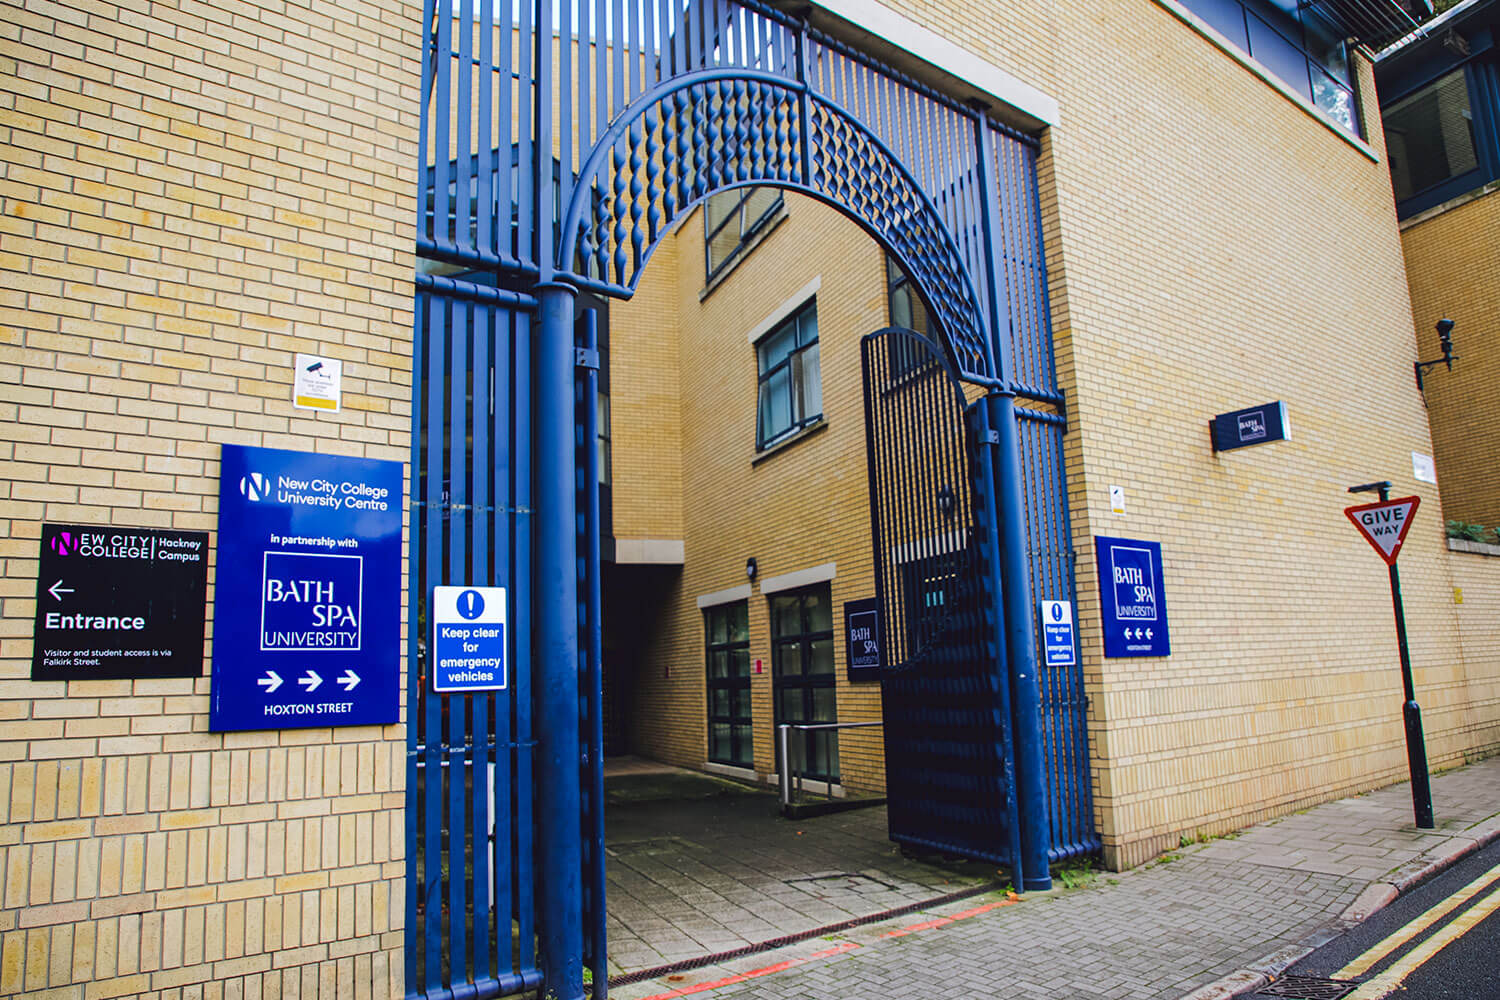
(1416, 747)
(1384, 526)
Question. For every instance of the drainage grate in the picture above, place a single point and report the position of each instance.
(1307, 988)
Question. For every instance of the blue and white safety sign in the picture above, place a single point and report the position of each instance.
(1057, 633)
(1132, 601)
(468, 639)
(307, 599)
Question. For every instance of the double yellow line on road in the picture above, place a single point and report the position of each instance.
(1387, 981)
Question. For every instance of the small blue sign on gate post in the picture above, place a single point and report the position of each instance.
(1057, 633)
(307, 600)
(468, 639)
(1131, 598)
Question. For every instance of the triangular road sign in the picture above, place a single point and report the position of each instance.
(1384, 524)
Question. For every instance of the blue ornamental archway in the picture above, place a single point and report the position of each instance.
(560, 140)
(718, 129)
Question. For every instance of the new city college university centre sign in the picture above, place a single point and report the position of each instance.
(307, 606)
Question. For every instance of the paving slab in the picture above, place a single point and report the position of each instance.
(698, 867)
(1206, 922)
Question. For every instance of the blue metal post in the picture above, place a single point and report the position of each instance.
(554, 612)
(1025, 688)
(1025, 697)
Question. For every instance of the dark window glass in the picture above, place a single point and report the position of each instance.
(791, 381)
(802, 668)
(1430, 136)
(1227, 16)
(1279, 54)
(907, 311)
(729, 722)
(1300, 46)
(731, 218)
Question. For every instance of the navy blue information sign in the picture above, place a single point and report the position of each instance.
(1132, 599)
(1253, 425)
(307, 605)
(863, 641)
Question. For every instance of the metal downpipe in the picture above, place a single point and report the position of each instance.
(554, 610)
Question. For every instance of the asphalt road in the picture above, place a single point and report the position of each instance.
(1439, 942)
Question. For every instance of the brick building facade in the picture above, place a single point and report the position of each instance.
(192, 194)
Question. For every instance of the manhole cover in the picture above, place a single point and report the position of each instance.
(1307, 988)
(841, 882)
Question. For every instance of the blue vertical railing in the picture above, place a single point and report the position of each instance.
(1042, 423)
(470, 902)
(591, 649)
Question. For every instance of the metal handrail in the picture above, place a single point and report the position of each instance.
(783, 740)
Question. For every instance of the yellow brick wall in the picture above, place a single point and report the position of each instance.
(1219, 249)
(1453, 265)
(188, 197)
(804, 506)
(645, 402)
(1477, 608)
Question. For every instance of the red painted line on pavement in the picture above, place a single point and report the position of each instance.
(838, 949)
(928, 925)
(741, 977)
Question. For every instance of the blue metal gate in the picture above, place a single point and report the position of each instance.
(559, 140)
(470, 901)
(945, 697)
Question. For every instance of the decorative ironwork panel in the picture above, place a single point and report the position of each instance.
(850, 167)
(722, 131)
(688, 142)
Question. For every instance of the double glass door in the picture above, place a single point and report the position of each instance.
(802, 668)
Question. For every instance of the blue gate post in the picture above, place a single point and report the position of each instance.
(554, 611)
(1025, 696)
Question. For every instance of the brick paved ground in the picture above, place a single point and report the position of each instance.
(721, 870)
(1159, 931)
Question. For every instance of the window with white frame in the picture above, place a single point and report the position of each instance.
(791, 391)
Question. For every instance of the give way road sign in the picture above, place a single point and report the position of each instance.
(1384, 524)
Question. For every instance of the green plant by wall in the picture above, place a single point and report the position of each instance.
(1473, 532)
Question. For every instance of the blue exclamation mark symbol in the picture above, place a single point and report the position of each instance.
(470, 604)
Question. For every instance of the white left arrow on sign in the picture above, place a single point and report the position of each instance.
(57, 590)
(312, 681)
(270, 682)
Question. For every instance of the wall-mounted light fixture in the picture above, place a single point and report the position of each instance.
(1445, 338)
(751, 568)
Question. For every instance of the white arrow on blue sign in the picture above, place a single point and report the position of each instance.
(468, 639)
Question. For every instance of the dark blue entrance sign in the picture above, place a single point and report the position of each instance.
(1131, 598)
(468, 639)
(307, 603)
(1253, 425)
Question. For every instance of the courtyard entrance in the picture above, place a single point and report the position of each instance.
(561, 142)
